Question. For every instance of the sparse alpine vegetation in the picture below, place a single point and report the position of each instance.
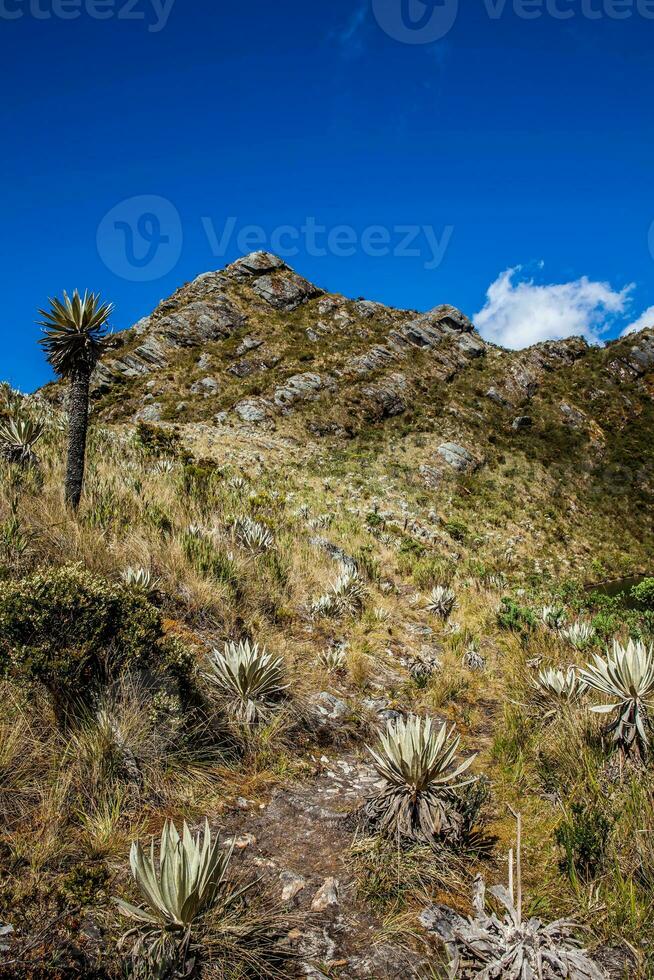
(299, 525)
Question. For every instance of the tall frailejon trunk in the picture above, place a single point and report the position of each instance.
(78, 419)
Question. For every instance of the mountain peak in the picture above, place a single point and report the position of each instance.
(257, 344)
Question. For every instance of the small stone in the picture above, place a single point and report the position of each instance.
(292, 884)
(263, 862)
(240, 843)
(326, 896)
(389, 714)
(247, 344)
(522, 422)
(497, 397)
(89, 929)
(329, 707)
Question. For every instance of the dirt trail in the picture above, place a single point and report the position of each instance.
(303, 836)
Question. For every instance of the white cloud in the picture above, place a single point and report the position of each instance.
(645, 320)
(521, 313)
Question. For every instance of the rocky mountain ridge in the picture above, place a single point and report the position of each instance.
(256, 342)
(255, 363)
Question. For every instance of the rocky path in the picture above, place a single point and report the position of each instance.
(299, 844)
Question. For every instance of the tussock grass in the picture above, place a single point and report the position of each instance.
(77, 798)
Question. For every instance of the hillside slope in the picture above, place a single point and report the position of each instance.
(386, 504)
(557, 438)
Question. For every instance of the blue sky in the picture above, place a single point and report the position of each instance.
(441, 150)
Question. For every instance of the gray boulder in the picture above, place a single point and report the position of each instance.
(149, 413)
(284, 292)
(388, 397)
(327, 707)
(572, 416)
(641, 356)
(147, 357)
(458, 457)
(254, 410)
(248, 344)
(205, 386)
(254, 264)
(199, 322)
(302, 387)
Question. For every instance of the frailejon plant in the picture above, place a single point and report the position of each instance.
(74, 331)
(473, 659)
(189, 880)
(441, 601)
(511, 946)
(250, 680)
(18, 437)
(253, 535)
(419, 801)
(163, 466)
(626, 676)
(345, 597)
(333, 658)
(579, 634)
(139, 578)
(555, 688)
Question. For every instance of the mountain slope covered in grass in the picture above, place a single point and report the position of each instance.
(307, 521)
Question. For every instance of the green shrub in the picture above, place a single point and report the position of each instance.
(199, 479)
(606, 624)
(179, 661)
(157, 517)
(409, 552)
(154, 440)
(643, 593)
(83, 883)
(71, 631)
(583, 835)
(368, 563)
(429, 572)
(457, 530)
(511, 616)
